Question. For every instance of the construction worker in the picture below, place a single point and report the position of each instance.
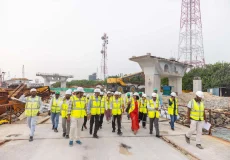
(107, 106)
(55, 106)
(33, 108)
(159, 98)
(76, 113)
(64, 114)
(94, 111)
(103, 104)
(173, 109)
(86, 98)
(127, 103)
(196, 115)
(143, 110)
(116, 106)
(154, 114)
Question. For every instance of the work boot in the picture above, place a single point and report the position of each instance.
(95, 136)
(63, 134)
(151, 132)
(187, 139)
(90, 132)
(53, 127)
(55, 130)
(31, 139)
(100, 127)
(67, 136)
(172, 129)
(158, 136)
(78, 142)
(113, 130)
(70, 143)
(144, 127)
(85, 127)
(119, 133)
(199, 146)
(82, 128)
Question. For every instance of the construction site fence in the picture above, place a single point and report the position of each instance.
(87, 90)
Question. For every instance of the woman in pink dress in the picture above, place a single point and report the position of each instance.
(133, 111)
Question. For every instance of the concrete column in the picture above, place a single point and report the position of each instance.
(63, 84)
(176, 82)
(197, 84)
(46, 81)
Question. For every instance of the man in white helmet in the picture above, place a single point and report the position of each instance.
(64, 113)
(173, 109)
(85, 114)
(196, 115)
(143, 110)
(33, 108)
(76, 112)
(94, 112)
(154, 114)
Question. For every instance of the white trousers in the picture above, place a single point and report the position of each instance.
(196, 126)
(31, 121)
(76, 124)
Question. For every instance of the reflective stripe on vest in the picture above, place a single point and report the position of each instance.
(197, 111)
(103, 105)
(171, 108)
(56, 108)
(116, 106)
(154, 109)
(96, 106)
(32, 106)
(78, 107)
(143, 106)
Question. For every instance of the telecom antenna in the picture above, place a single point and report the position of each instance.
(190, 49)
(104, 69)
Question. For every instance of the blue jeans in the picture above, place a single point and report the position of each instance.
(173, 119)
(55, 119)
(31, 121)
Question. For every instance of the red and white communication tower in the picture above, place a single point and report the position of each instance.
(190, 49)
(104, 69)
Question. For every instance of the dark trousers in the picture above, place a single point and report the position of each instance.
(85, 121)
(156, 125)
(101, 119)
(118, 117)
(142, 117)
(94, 118)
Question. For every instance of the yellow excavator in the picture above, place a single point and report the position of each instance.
(123, 85)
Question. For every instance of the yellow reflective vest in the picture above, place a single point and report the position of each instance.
(78, 107)
(132, 105)
(116, 106)
(108, 101)
(56, 108)
(197, 111)
(103, 105)
(96, 105)
(143, 106)
(172, 107)
(32, 106)
(64, 109)
(153, 112)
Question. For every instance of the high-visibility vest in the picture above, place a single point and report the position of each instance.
(132, 105)
(64, 109)
(78, 107)
(153, 113)
(143, 106)
(197, 111)
(103, 105)
(32, 106)
(56, 108)
(116, 106)
(172, 106)
(96, 106)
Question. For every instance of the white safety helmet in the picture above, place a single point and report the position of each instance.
(33, 90)
(173, 94)
(136, 94)
(74, 91)
(80, 89)
(154, 95)
(116, 93)
(87, 95)
(84, 94)
(120, 93)
(144, 95)
(101, 93)
(108, 92)
(69, 91)
(97, 90)
(200, 94)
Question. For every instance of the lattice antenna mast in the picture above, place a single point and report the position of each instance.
(190, 49)
(104, 69)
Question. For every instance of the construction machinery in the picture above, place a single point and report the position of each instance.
(128, 83)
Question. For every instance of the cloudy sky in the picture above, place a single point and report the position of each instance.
(64, 36)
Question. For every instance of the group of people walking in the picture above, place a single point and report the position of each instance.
(77, 107)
